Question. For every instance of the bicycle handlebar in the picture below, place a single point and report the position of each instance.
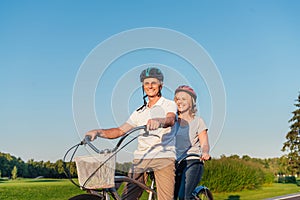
(87, 140)
(190, 155)
(115, 150)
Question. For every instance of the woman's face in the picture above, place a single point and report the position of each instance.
(183, 101)
(152, 86)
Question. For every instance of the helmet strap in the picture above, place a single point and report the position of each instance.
(159, 92)
(144, 98)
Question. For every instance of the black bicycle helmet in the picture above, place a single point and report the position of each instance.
(152, 72)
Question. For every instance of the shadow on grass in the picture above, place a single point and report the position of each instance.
(44, 180)
(233, 197)
(3, 180)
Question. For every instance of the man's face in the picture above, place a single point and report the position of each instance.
(152, 86)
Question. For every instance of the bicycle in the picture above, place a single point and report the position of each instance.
(106, 186)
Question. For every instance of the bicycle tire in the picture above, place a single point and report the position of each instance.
(204, 194)
(87, 197)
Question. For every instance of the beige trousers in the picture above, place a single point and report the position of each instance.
(164, 172)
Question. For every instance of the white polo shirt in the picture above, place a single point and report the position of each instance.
(162, 143)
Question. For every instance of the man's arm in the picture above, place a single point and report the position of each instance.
(110, 133)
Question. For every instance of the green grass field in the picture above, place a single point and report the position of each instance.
(37, 189)
(57, 189)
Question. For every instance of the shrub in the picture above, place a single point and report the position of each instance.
(229, 175)
(286, 179)
(14, 173)
(269, 178)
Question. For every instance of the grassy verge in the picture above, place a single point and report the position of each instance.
(37, 189)
(277, 189)
(57, 189)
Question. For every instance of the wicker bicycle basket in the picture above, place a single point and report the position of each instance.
(96, 171)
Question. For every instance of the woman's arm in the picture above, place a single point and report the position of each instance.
(204, 144)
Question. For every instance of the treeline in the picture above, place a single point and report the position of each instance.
(30, 169)
(10, 165)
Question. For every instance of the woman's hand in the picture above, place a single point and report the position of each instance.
(205, 156)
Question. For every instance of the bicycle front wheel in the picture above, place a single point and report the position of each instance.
(204, 194)
(87, 197)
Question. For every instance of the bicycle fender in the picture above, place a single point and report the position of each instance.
(199, 188)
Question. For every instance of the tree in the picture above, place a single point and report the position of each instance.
(14, 173)
(59, 167)
(246, 157)
(292, 145)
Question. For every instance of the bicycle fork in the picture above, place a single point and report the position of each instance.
(152, 178)
(152, 187)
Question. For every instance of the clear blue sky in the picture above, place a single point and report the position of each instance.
(255, 46)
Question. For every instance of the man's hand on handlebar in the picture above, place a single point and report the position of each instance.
(153, 124)
(93, 134)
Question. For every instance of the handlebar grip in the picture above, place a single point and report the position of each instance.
(87, 140)
(190, 155)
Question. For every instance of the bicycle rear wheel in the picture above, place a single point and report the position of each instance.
(204, 194)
